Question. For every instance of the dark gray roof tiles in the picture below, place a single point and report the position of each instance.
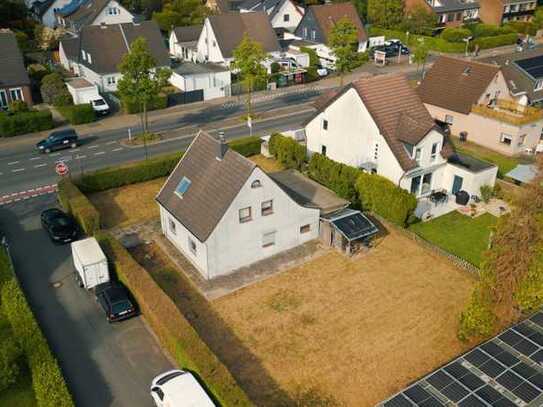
(12, 68)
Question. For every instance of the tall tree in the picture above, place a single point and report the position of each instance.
(248, 58)
(420, 55)
(181, 13)
(343, 42)
(141, 80)
(420, 21)
(385, 13)
(511, 279)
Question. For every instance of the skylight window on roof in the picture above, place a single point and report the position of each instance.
(182, 187)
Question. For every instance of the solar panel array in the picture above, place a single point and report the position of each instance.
(506, 371)
(533, 66)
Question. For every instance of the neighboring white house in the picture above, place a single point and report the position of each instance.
(183, 42)
(222, 212)
(222, 34)
(45, 10)
(381, 125)
(282, 13)
(212, 79)
(80, 13)
(96, 54)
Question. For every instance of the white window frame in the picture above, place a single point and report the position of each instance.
(172, 226)
(266, 207)
(306, 33)
(538, 84)
(505, 136)
(83, 55)
(18, 92)
(192, 246)
(4, 100)
(246, 218)
(325, 124)
(417, 154)
(111, 80)
(313, 35)
(286, 17)
(268, 239)
(433, 155)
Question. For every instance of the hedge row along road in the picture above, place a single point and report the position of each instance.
(23, 168)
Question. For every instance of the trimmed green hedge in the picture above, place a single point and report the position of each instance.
(78, 114)
(114, 177)
(161, 166)
(27, 122)
(455, 34)
(488, 30)
(287, 151)
(9, 368)
(433, 43)
(246, 146)
(47, 379)
(76, 203)
(371, 192)
(496, 41)
(174, 332)
(131, 106)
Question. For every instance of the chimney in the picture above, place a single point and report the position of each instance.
(222, 147)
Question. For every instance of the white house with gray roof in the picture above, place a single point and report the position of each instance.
(99, 49)
(222, 212)
(77, 14)
(282, 13)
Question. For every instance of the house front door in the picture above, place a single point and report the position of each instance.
(457, 184)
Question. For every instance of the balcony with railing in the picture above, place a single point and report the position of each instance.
(509, 112)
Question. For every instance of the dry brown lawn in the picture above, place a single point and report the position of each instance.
(267, 164)
(128, 205)
(334, 331)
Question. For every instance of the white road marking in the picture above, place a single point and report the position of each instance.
(100, 153)
(13, 163)
(54, 155)
(40, 165)
(111, 142)
(18, 170)
(94, 146)
(117, 149)
(35, 158)
(75, 149)
(80, 157)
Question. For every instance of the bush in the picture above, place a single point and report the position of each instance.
(275, 67)
(246, 146)
(114, 177)
(287, 151)
(368, 191)
(78, 114)
(314, 62)
(477, 321)
(487, 192)
(488, 30)
(497, 41)
(76, 203)
(49, 386)
(9, 368)
(22, 123)
(522, 27)
(18, 106)
(455, 34)
(381, 196)
(131, 106)
(54, 91)
(174, 332)
(432, 43)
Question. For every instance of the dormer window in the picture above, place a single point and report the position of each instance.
(435, 149)
(182, 187)
(256, 184)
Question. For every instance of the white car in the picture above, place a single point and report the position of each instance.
(178, 388)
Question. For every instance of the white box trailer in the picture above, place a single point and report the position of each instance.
(90, 263)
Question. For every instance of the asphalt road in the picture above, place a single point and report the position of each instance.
(23, 168)
(105, 364)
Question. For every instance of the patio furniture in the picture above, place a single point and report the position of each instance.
(439, 197)
(462, 198)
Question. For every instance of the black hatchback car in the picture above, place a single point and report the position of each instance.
(115, 301)
(61, 227)
(58, 140)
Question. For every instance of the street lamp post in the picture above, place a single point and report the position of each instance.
(467, 40)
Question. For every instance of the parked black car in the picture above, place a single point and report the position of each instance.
(115, 301)
(58, 140)
(392, 49)
(61, 227)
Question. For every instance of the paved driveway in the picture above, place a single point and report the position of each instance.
(105, 364)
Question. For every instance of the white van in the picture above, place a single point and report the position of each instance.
(83, 91)
(90, 263)
(177, 388)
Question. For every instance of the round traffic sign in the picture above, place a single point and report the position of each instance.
(61, 168)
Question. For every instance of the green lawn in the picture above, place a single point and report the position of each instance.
(458, 234)
(504, 163)
(20, 394)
